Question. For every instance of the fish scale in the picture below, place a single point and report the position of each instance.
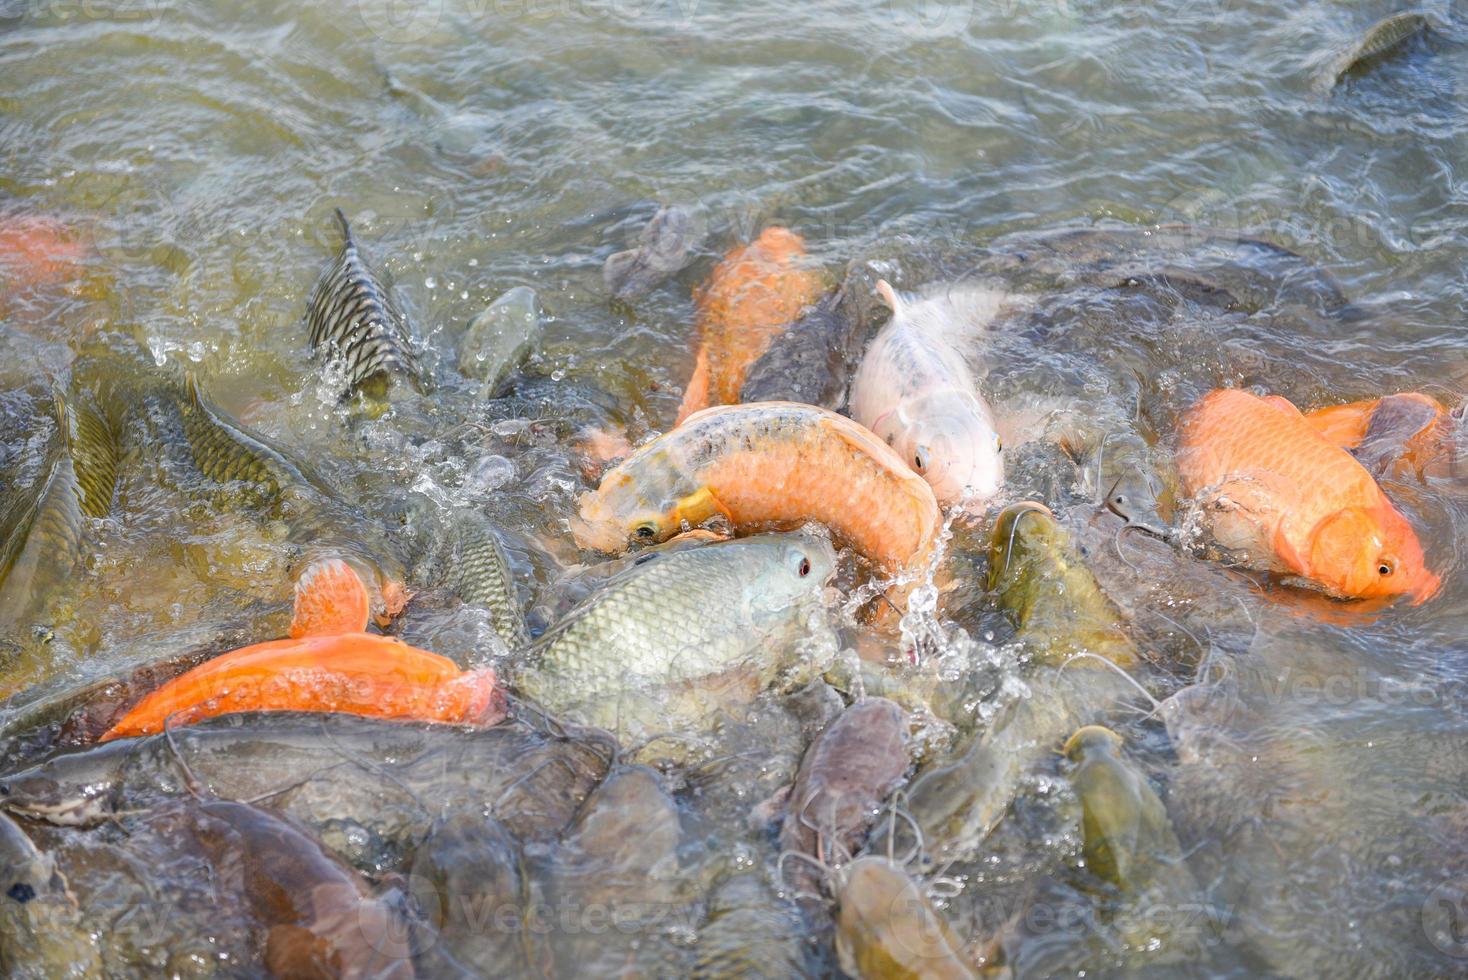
(483, 579)
(716, 611)
(226, 452)
(355, 322)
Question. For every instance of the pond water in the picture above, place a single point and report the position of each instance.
(196, 153)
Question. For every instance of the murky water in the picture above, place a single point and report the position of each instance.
(198, 151)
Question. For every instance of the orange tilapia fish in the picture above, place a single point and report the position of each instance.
(753, 294)
(1273, 487)
(766, 463)
(328, 664)
(36, 251)
(1403, 431)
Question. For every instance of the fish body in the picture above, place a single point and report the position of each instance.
(749, 298)
(481, 577)
(500, 339)
(1055, 602)
(42, 932)
(227, 452)
(671, 640)
(43, 530)
(1272, 487)
(1127, 837)
(36, 251)
(763, 464)
(1406, 431)
(360, 784)
(358, 673)
(1381, 39)
(915, 390)
(806, 363)
(355, 323)
(847, 772)
(887, 929)
(327, 664)
(749, 935)
(318, 918)
(665, 245)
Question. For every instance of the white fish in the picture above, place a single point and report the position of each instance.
(915, 389)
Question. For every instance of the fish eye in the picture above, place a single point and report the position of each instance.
(803, 569)
(920, 459)
(647, 530)
(1386, 567)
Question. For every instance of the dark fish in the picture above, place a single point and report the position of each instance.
(750, 934)
(356, 324)
(42, 934)
(667, 244)
(1381, 39)
(43, 529)
(805, 363)
(318, 918)
(370, 789)
(469, 881)
(848, 770)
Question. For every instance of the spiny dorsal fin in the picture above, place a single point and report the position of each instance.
(330, 600)
(346, 227)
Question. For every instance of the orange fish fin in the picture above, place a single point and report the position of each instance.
(330, 600)
(696, 395)
(699, 506)
(1288, 555)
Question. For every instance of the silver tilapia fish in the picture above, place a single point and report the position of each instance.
(356, 324)
(672, 639)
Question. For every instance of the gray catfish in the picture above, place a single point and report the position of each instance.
(665, 245)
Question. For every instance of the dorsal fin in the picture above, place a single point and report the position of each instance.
(346, 227)
(330, 600)
(890, 296)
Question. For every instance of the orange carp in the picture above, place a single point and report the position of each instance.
(766, 464)
(749, 298)
(1271, 485)
(329, 664)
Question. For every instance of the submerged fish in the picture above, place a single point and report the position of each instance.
(1407, 430)
(229, 454)
(665, 245)
(1272, 487)
(328, 664)
(36, 251)
(499, 339)
(750, 934)
(806, 363)
(761, 464)
(667, 643)
(887, 929)
(355, 323)
(318, 918)
(847, 772)
(915, 389)
(1380, 40)
(1055, 602)
(42, 532)
(1127, 837)
(370, 788)
(42, 932)
(748, 299)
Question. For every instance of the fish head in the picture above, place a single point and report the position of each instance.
(39, 796)
(1022, 531)
(948, 438)
(797, 570)
(1090, 740)
(646, 499)
(1370, 552)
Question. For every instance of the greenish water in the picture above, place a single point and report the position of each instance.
(199, 150)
